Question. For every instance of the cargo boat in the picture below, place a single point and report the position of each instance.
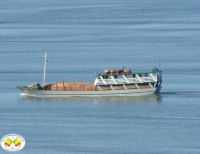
(111, 82)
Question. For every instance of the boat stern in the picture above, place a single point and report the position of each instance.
(159, 82)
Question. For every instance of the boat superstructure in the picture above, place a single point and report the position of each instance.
(124, 79)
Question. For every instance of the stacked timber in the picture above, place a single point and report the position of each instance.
(81, 86)
(105, 88)
(118, 87)
(144, 86)
(48, 87)
(59, 86)
(131, 87)
(70, 86)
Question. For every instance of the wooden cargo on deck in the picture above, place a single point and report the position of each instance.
(82, 86)
(70, 86)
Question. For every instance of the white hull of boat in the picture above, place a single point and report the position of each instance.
(50, 93)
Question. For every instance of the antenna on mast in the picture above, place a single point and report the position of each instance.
(45, 69)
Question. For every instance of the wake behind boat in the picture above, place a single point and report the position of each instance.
(111, 82)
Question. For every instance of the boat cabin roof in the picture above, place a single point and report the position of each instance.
(139, 73)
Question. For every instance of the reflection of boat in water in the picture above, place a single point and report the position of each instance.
(112, 82)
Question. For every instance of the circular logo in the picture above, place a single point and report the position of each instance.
(12, 142)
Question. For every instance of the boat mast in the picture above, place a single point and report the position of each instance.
(45, 69)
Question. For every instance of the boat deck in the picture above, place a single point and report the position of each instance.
(81, 86)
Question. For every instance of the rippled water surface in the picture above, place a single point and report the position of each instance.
(81, 39)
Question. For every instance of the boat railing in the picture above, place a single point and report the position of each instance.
(116, 81)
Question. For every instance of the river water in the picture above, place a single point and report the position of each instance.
(81, 39)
